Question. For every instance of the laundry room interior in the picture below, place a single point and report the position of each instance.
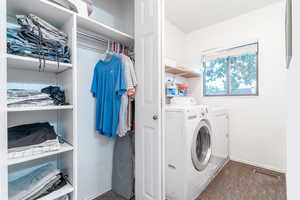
(227, 60)
(148, 99)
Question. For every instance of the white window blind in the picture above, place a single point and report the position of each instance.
(235, 51)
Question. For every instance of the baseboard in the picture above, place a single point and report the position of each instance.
(259, 165)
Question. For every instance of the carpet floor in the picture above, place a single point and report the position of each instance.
(243, 182)
(238, 181)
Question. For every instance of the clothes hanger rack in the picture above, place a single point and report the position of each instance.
(104, 41)
(93, 37)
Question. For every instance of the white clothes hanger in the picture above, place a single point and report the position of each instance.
(108, 52)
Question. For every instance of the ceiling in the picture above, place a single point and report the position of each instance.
(190, 15)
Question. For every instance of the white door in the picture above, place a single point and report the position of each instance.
(148, 100)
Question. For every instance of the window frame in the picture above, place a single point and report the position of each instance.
(228, 77)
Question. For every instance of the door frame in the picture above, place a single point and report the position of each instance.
(163, 99)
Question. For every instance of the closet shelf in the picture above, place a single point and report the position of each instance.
(39, 108)
(93, 26)
(179, 71)
(67, 189)
(28, 63)
(64, 148)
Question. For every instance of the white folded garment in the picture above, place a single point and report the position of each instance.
(13, 100)
(33, 104)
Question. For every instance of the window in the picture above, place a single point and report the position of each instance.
(231, 72)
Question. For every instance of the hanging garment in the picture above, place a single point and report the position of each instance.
(130, 114)
(123, 127)
(108, 86)
(129, 72)
(131, 83)
(123, 167)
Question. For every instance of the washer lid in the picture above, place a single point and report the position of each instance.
(201, 146)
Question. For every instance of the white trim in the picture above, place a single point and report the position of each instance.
(163, 100)
(256, 164)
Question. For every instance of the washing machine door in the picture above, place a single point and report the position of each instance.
(201, 146)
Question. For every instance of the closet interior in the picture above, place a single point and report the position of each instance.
(44, 92)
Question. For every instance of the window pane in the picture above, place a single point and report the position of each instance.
(215, 77)
(243, 73)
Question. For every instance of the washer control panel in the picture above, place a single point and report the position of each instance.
(203, 111)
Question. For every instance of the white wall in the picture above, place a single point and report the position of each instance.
(175, 41)
(116, 13)
(95, 152)
(257, 124)
(293, 137)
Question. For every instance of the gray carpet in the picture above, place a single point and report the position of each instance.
(109, 196)
(238, 182)
(243, 182)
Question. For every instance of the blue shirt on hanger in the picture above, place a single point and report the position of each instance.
(108, 86)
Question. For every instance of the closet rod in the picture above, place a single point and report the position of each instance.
(100, 39)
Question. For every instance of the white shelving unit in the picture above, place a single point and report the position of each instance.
(24, 71)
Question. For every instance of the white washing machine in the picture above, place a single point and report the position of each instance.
(190, 160)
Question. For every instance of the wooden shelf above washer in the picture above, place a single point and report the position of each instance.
(179, 71)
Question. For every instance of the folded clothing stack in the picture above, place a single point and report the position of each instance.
(37, 184)
(31, 139)
(23, 98)
(56, 94)
(51, 95)
(34, 37)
